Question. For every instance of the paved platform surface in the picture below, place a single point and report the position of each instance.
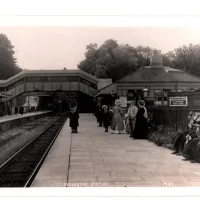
(17, 116)
(96, 158)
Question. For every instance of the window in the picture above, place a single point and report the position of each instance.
(161, 97)
(74, 79)
(56, 79)
(65, 78)
(158, 97)
(34, 79)
(47, 79)
(70, 79)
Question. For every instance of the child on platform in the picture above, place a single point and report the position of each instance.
(106, 118)
(73, 123)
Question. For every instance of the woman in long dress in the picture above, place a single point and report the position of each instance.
(117, 119)
(141, 125)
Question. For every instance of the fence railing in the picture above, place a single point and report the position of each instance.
(172, 118)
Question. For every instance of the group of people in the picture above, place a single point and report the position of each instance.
(134, 122)
(187, 143)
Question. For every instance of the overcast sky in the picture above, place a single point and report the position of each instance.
(59, 47)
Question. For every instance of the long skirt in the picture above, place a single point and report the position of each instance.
(141, 129)
(117, 124)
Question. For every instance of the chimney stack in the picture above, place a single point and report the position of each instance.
(156, 59)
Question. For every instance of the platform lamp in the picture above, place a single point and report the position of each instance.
(145, 92)
(113, 97)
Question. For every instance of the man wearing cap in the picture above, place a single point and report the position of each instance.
(132, 111)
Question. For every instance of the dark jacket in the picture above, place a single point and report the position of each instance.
(107, 118)
(73, 119)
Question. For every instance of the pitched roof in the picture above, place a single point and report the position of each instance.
(158, 74)
(184, 77)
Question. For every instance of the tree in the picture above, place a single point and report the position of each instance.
(186, 58)
(143, 55)
(112, 60)
(8, 65)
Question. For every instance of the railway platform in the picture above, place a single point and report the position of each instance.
(99, 159)
(12, 121)
(18, 116)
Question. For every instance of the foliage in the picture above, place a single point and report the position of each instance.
(162, 137)
(186, 58)
(113, 60)
(8, 65)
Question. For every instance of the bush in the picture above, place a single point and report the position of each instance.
(162, 137)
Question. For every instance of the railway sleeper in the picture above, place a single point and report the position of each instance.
(31, 158)
(15, 177)
(17, 167)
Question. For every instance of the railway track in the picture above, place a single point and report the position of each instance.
(21, 169)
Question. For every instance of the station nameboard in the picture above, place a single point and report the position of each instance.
(178, 101)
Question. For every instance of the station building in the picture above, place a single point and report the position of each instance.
(159, 79)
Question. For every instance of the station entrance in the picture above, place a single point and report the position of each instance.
(65, 101)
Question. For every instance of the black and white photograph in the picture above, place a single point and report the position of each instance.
(99, 106)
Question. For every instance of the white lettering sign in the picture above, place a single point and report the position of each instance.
(178, 101)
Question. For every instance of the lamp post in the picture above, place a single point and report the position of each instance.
(113, 97)
(145, 92)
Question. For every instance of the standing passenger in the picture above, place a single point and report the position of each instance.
(141, 125)
(132, 112)
(106, 118)
(74, 116)
(117, 119)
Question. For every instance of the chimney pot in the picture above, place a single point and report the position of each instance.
(156, 59)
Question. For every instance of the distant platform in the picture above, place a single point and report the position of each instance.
(17, 116)
(12, 121)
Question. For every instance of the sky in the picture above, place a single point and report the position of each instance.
(59, 47)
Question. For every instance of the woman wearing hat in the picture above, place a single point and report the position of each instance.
(141, 125)
(117, 119)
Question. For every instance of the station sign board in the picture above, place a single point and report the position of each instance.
(178, 101)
